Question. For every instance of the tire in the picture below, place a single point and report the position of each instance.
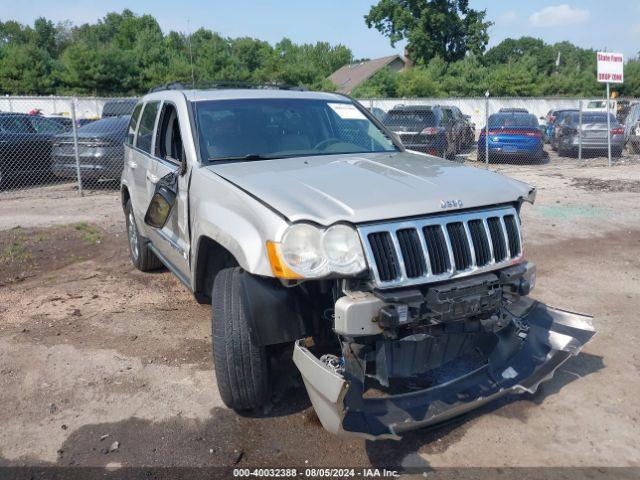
(141, 255)
(242, 368)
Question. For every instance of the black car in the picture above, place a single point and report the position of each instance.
(100, 150)
(437, 130)
(25, 152)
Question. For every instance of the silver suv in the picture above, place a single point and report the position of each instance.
(395, 279)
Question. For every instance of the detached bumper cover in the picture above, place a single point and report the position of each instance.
(550, 337)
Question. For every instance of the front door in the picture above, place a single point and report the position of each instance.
(173, 240)
(139, 160)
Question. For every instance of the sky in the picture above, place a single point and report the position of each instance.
(597, 24)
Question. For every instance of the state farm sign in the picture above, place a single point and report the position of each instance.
(610, 67)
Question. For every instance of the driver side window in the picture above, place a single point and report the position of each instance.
(169, 144)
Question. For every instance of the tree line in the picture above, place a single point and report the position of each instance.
(127, 54)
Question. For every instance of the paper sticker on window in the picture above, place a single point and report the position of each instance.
(347, 111)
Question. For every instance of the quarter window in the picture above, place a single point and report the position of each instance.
(145, 129)
(133, 123)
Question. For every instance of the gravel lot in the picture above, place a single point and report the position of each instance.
(93, 352)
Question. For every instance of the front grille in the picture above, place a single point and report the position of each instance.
(384, 255)
(437, 248)
(441, 247)
(411, 250)
(513, 235)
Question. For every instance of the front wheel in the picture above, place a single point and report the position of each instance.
(141, 255)
(242, 368)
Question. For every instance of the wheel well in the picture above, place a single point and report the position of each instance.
(124, 194)
(212, 257)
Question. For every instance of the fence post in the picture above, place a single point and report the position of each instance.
(486, 128)
(10, 105)
(75, 144)
(608, 125)
(580, 133)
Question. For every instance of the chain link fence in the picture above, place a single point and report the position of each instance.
(75, 145)
(72, 144)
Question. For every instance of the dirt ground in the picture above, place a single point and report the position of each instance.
(101, 365)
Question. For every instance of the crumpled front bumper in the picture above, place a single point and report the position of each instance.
(551, 337)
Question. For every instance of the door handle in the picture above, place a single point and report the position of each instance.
(152, 178)
(132, 164)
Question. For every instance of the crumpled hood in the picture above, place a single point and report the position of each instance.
(360, 188)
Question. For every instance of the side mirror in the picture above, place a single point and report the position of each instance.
(162, 201)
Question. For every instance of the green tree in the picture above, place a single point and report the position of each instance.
(445, 28)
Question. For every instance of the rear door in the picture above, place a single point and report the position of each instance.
(173, 240)
(139, 160)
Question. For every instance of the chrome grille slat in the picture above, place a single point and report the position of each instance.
(506, 237)
(406, 263)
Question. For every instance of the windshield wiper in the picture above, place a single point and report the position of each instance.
(248, 157)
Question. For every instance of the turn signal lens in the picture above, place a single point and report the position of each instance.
(278, 266)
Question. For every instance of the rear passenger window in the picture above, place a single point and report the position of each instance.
(133, 123)
(145, 129)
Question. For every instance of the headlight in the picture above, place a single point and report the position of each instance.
(309, 252)
(343, 250)
(301, 250)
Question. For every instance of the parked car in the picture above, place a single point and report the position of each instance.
(119, 107)
(100, 150)
(397, 281)
(512, 136)
(437, 130)
(549, 123)
(25, 153)
(594, 134)
(559, 116)
(632, 128)
(601, 106)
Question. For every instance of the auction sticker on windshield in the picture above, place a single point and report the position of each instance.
(347, 111)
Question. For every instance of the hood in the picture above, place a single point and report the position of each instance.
(360, 188)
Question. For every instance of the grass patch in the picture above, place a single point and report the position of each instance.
(17, 250)
(88, 233)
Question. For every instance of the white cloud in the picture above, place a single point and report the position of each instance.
(507, 18)
(559, 16)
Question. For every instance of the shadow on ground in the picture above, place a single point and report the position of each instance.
(288, 435)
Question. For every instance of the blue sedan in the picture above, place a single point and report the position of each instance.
(512, 136)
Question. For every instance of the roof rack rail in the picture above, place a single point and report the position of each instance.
(221, 85)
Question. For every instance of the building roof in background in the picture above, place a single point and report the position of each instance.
(349, 76)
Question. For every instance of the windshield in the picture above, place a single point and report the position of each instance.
(600, 117)
(106, 126)
(415, 119)
(255, 129)
(512, 120)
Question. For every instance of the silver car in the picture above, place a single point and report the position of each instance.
(632, 128)
(593, 131)
(396, 280)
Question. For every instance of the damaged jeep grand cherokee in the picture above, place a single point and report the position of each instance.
(398, 279)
